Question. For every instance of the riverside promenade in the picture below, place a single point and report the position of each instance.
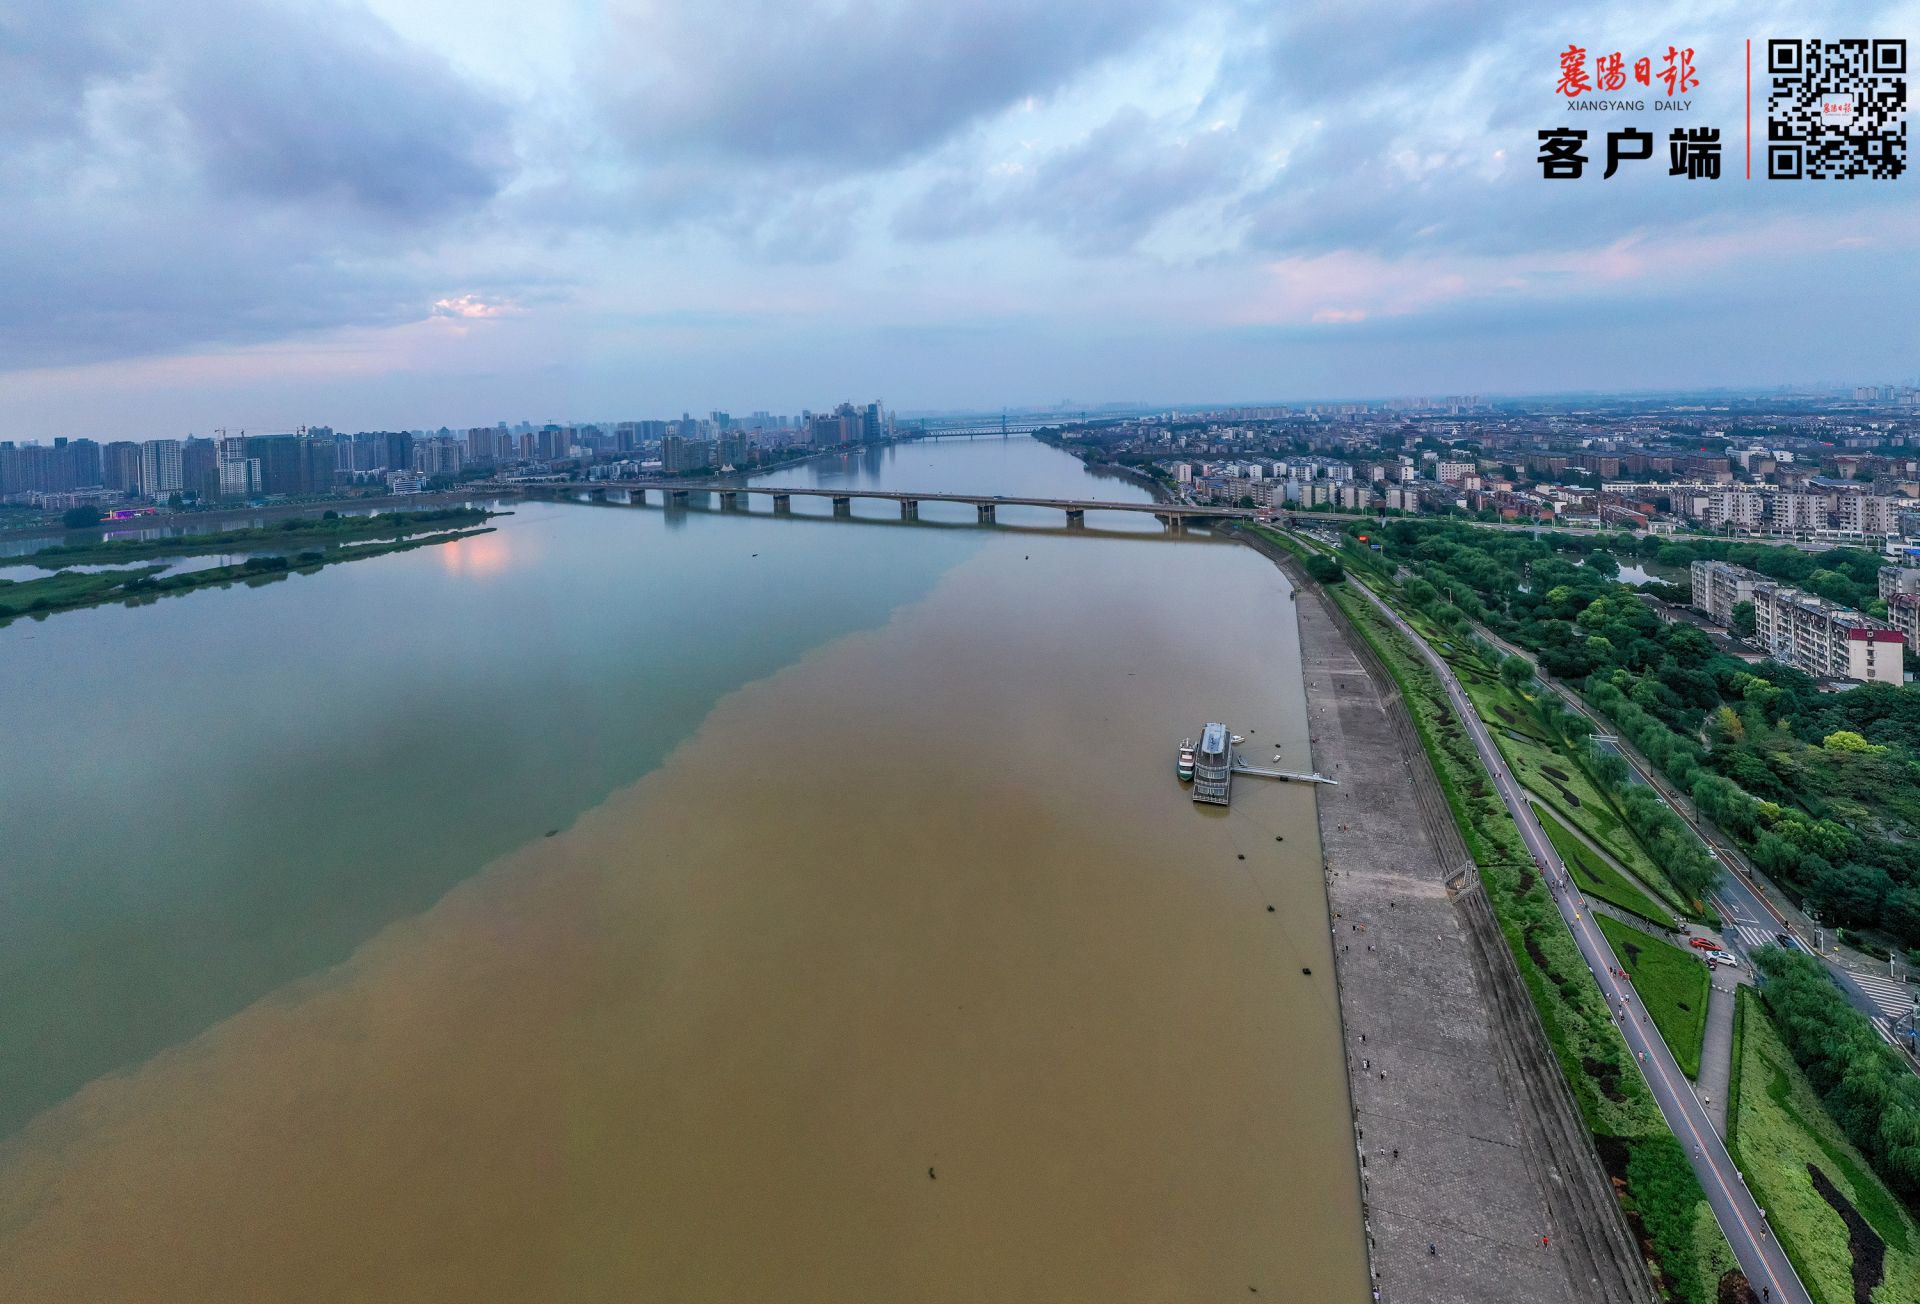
(1480, 1184)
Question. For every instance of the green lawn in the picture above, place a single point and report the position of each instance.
(1671, 982)
(1597, 878)
(1548, 769)
(1557, 780)
(69, 590)
(1777, 1129)
(65, 589)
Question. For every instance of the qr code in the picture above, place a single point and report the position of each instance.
(1838, 110)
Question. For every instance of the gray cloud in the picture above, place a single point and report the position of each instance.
(328, 103)
(1099, 195)
(224, 172)
(850, 86)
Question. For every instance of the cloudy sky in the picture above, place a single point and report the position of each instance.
(366, 213)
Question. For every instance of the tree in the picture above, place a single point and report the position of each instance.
(1846, 740)
(1742, 622)
(1325, 569)
(1515, 673)
(79, 518)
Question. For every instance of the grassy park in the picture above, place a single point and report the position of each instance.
(1672, 985)
(1848, 1237)
(1598, 878)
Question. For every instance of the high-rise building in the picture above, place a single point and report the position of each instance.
(437, 456)
(399, 455)
(64, 465)
(160, 474)
(678, 454)
(237, 474)
(199, 470)
(280, 463)
(120, 466)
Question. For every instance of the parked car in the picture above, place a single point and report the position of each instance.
(1703, 943)
(1722, 958)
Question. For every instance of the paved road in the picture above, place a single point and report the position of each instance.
(1759, 1255)
(1751, 918)
(1305, 519)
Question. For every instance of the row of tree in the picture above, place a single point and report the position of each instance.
(1762, 751)
(1861, 1080)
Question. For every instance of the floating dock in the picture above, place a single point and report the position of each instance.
(1213, 766)
(1215, 763)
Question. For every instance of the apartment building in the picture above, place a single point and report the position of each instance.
(1717, 585)
(1903, 613)
(1900, 589)
(1823, 638)
(1806, 631)
(1740, 509)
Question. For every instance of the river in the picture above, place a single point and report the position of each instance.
(677, 905)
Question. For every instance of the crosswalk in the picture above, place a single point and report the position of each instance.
(1753, 935)
(1892, 997)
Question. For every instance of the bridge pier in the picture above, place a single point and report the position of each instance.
(729, 500)
(1174, 524)
(676, 497)
(1076, 519)
(783, 502)
(637, 497)
(985, 512)
(909, 509)
(842, 505)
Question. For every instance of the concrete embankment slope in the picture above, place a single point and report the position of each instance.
(1471, 1142)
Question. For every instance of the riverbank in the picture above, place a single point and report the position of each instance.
(329, 530)
(1114, 470)
(74, 590)
(1470, 1139)
(205, 521)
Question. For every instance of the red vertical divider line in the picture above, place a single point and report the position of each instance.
(1749, 108)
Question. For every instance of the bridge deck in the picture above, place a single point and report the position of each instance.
(888, 495)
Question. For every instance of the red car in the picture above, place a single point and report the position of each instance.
(1703, 944)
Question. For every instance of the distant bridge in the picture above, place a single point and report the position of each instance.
(1175, 516)
(973, 427)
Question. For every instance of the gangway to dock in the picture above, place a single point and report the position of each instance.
(1291, 776)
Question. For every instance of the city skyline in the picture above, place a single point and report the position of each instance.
(413, 214)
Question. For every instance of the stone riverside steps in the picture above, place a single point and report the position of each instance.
(1493, 1154)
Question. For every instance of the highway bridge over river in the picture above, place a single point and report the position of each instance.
(733, 497)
